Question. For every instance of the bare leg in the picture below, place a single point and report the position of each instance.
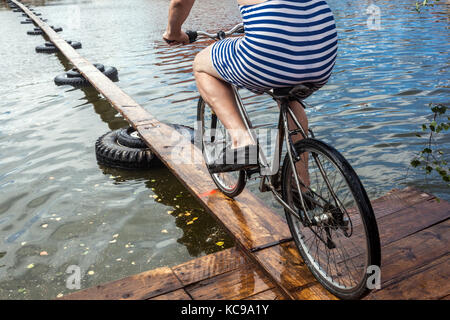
(219, 96)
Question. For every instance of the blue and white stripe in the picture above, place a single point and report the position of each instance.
(286, 42)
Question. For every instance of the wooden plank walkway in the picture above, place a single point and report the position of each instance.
(414, 231)
(255, 227)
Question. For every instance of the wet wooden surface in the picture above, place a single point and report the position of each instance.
(277, 268)
(226, 275)
(415, 263)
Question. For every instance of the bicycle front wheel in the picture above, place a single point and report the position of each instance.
(211, 139)
(335, 230)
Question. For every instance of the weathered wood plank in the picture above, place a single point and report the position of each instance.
(271, 294)
(234, 285)
(415, 250)
(210, 266)
(411, 220)
(179, 294)
(396, 200)
(286, 266)
(313, 292)
(426, 282)
(137, 287)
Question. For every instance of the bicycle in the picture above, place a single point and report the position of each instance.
(330, 216)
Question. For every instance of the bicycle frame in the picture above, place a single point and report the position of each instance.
(269, 171)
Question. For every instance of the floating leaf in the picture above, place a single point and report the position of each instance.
(164, 231)
(31, 265)
(220, 243)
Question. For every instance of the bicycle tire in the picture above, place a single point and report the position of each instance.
(235, 190)
(369, 225)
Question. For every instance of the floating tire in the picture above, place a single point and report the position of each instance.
(35, 32)
(110, 153)
(30, 21)
(74, 78)
(38, 31)
(130, 138)
(49, 47)
(124, 149)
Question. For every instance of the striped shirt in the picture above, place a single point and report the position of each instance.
(286, 42)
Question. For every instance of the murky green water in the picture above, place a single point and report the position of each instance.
(59, 208)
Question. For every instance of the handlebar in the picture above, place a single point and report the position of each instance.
(193, 35)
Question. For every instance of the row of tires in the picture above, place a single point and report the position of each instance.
(73, 77)
(122, 148)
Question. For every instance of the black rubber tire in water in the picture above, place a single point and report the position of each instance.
(73, 78)
(49, 47)
(38, 31)
(35, 32)
(313, 146)
(130, 138)
(110, 153)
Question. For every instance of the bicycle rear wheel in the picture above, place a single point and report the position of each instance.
(211, 139)
(338, 235)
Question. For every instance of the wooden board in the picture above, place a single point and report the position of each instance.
(179, 294)
(210, 266)
(234, 285)
(418, 249)
(271, 294)
(138, 287)
(413, 267)
(430, 281)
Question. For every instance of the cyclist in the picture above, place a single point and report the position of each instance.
(286, 42)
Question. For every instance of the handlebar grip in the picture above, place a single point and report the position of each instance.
(192, 36)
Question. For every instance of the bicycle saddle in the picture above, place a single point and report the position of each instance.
(298, 92)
